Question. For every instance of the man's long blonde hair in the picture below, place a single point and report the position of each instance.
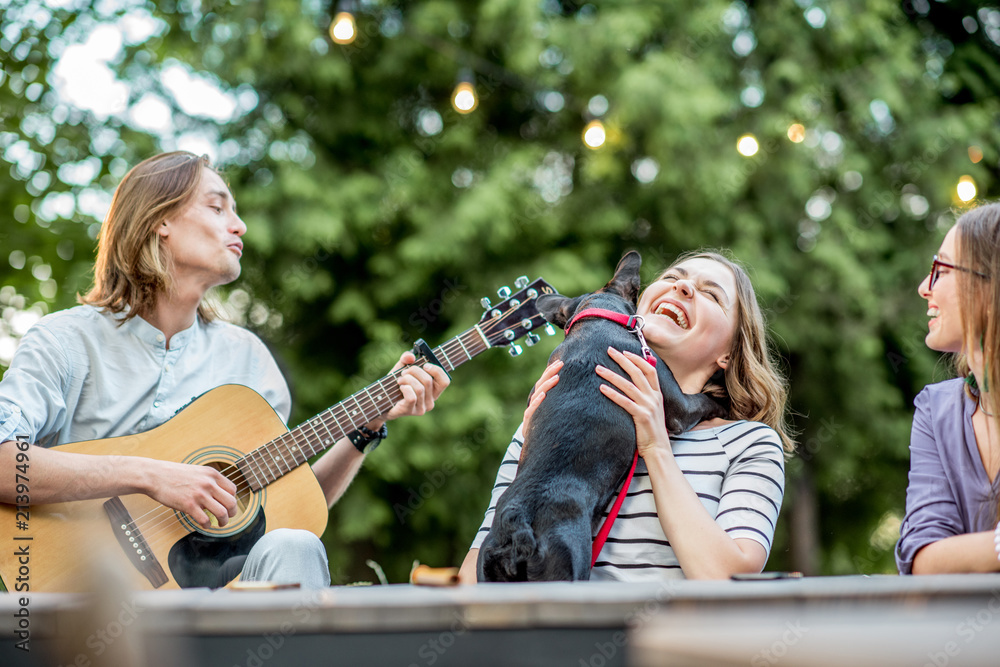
(756, 389)
(132, 267)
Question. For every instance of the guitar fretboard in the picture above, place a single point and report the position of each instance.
(290, 450)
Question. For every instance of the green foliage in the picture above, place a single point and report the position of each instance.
(370, 226)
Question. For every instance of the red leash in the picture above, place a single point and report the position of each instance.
(633, 323)
(602, 535)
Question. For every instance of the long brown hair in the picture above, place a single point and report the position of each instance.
(978, 249)
(132, 267)
(756, 389)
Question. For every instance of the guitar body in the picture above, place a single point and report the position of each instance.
(216, 429)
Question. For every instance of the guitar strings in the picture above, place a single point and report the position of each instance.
(162, 518)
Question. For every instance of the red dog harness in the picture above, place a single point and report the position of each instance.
(633, 323)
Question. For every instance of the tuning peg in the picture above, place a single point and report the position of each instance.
(485, 302)
(550, 330)
(515, 350)
(521, 282)
(526, 324)
(503, 292)
(531, 339)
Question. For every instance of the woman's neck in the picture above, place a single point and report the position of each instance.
(692, 381)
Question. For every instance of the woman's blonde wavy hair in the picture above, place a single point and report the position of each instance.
(133, 267)
(756, 389)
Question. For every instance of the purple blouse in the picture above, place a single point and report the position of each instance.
(949, 489)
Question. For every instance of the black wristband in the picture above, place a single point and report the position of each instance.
(365, 440)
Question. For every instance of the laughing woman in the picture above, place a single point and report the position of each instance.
(952, 497)
(703, 504)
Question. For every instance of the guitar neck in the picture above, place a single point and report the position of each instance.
(290, 450)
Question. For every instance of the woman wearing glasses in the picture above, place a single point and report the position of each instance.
(953, 494)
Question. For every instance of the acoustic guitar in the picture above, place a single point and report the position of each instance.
(233, 429)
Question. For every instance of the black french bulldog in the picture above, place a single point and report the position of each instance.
(579, 445)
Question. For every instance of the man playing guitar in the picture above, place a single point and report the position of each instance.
(142, 345)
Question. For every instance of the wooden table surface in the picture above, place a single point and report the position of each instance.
(886, 620)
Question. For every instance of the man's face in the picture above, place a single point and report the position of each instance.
(203, 238)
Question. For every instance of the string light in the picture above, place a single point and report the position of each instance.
(343, 29)
(594, 135)
(975, 154)
(796, 133)
(747, 145)
(966, 188)
(464, 98)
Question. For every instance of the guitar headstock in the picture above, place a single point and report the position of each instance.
(516, 316)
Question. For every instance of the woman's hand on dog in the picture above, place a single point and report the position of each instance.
(641, 398)
(549, 379)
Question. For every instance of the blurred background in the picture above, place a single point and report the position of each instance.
(397, 161)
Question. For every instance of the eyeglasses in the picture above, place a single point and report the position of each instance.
(937, 265)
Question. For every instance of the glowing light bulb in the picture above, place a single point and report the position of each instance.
(747, 145)
(464, 98)
(343, 30)
(594, 135)
(797, 133)
(966, 188)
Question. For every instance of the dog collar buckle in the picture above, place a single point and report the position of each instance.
(635, 323)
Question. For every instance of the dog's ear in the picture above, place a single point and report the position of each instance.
(626, 279)
(556, 308)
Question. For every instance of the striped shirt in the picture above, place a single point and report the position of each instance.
(737, 470)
